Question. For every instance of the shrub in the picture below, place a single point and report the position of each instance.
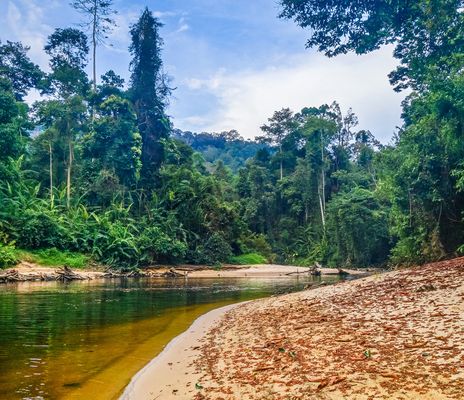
(255, 243)
(156, 246)
(34, 230)
(116, 245)
(215, 250)
(7, 256)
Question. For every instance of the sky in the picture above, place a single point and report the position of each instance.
(232, 62)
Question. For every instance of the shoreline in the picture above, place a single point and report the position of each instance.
(158, 372)
(395, 335)
(30, 272)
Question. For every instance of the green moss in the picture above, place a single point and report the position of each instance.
(248, 259)
(54, 258)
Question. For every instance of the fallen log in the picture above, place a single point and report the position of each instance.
(12, 275)
(66, 274)
(172, 273)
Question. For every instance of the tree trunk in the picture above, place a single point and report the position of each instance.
(94, 43)
(322, 188)
(52, 198)
(281, 163)
(322, 172)
(68, 174)
(322, 209)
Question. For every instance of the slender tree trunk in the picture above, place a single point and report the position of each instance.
(410, 207)
(322, 173)
(322, 209)
(94, 43)
(281, 163)
(52, 197)
(68, 174)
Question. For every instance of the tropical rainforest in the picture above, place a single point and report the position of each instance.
(95, 166)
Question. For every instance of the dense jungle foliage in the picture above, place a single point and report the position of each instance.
(97, 168)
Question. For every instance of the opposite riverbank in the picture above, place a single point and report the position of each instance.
(399, 335)
(27, 271)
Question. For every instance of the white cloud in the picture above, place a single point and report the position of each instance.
(247, 98)
(183, 28)
(25, 25)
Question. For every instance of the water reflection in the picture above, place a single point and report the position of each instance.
(64, 340)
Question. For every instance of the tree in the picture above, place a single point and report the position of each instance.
(113, 144)
(99, 23)
(68, 50)
(18, 69)
(319, 126)
(358, 230)
(149, 92)
(425, 32)
(64, 121)
(280, 126)
(12, 124)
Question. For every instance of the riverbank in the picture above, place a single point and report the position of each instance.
(399, 335)
(27, 271)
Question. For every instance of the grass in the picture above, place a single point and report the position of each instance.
(248, 259)
(54, 258)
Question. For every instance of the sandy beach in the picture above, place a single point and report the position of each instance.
(399, 335)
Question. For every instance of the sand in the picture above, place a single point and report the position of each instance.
(262, 271)
(399, 335)
(164, 377)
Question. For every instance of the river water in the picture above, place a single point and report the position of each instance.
(85, 340)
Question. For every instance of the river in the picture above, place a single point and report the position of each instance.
(85, 340)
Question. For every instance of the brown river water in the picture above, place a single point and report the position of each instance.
(85, 340)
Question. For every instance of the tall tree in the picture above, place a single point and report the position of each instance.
(16, 67)
(11, 127)
(425, 32)
(279, 127)
(99, 23)
(114, 144)
(149, 92)
(68, 50)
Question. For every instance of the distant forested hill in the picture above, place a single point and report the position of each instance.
(229, 147)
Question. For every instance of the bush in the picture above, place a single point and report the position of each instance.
(215, 250)
(248, 259)
(156, 246)
(116, 245)
(255, 243)
(7, 256)
(34, 230)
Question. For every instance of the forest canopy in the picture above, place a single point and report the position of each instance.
(95, 166)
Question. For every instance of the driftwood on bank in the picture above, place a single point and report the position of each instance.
(316, 270)
(11, 276)
(66, 274)
(172, 273)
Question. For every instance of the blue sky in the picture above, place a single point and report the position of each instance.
(233, 62)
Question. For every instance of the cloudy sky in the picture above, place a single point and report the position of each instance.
(233, 62)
